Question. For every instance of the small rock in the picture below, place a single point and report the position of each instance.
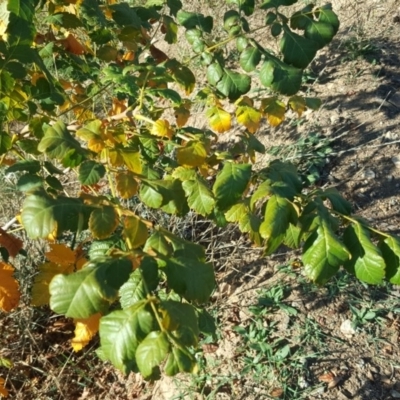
(396, 161)
(395, 394)
(347, 328)
(369, 174)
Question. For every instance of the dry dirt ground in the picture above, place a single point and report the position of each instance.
(279, 336)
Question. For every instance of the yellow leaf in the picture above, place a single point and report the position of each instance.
(297, 104)
(63, 260)
(274, 109)
(11, 243)
(40, 288)
(9, 288)
(249, 117)
(162, 128)
(131, 160)
(127, 186)
(219, 119)
(115, 158)
(3, 390)
(85, 329)
(135, 231)
(192, 155)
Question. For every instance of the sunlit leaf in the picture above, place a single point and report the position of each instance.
(193, 154)
(85, 329)
(390, 248)
(126, 184)
(9, 288)
(249, 117)
(103, 222)
(274, 109)
(200, 197)
(135, 231)
(219, 119)
(162, 128)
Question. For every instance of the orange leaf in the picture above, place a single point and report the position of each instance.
(12, 244)
(85, 329)
(9, 288)
(63, 255)
(72, 45)
(3, 390)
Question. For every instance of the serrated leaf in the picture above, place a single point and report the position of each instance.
(92, 133)
(158, 243)
(366, 259)
(339, 204)
(192, 279)
(89, 290)
(85, 329)
(219, 119)
(126, 184)
(390, 248)
(131, 159)
(297, 104)
(297, 50)
(249, 117)
(214, 73)
(230, 184)
(279, 213)
(233, 84)
(162, 128)
(181, 319)
(90, 172)
(193, 154)
(280, 77)
(151, 352)
(57, 141)
(250, 58)
(135, 232)
(103, 222)
(199, 196)
(121, 331)
(274, 109)
(132, 291)
(292, 236)
(323, 254)
(9, 288)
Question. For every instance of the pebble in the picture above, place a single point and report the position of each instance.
(395, 394)
(396, 161)
(369, 174)
(347, 328)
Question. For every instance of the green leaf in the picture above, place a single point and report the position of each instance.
(192, 20)
(280, 77)
(277, 3)
(292, 236)
(214, 73)
(233, 85)
(121, 332)
(179, 361)
(193, 154)
(89, 290)
(90, 172)
(231, 183)
(171, 29)
(320, 32)
(29, 182)
(31, 166)
(124, 15)
(151, 352)
(247, 6)
(103, 222)
(57, 141)
(366, 259)
(158, 243)
(339, 204)
(325, 14)
(390, 248)
(249, 59)
(192, 279)
(54, 183)
(199, 196)
(64, 19)
(181, 319)
(323, 254)
(279, 213)
(38, 216)
(133, 290)
(297, 50)
(135, 231)
(131, 159)
(5, 142)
